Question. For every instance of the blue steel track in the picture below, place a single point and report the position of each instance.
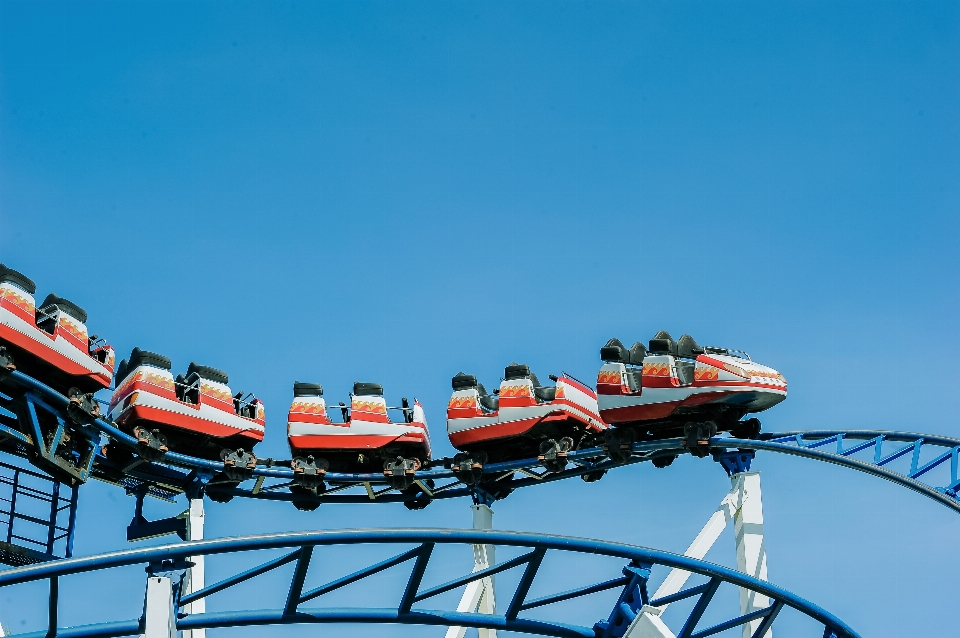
(166, 478)
(631, 581)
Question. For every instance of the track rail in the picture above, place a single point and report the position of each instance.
(417, 547)
(178, 473)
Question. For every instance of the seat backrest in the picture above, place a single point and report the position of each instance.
(18, 279)
(688, 348)
(307, 389)
(637, 354)
(120, 374)
(516, 371)
(614, 352)
(140, 357)
(367, 389)
(464, 381)
(663, 343)
(208, 373)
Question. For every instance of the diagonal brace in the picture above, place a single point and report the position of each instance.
(239, 578)
(477, 575)
(359, 575)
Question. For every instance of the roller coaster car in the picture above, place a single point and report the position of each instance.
(50, 342)
(363, 438)
(195, 414)
(522, 419)
(682, 389)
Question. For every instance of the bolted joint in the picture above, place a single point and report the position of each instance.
(82, 409)
(469, 467)
(553, 453)
(238, 465)
(696, 437)
(151, 444)
(400, 472)
(309, 472)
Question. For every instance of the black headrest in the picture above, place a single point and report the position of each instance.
(663, 343)
(307, 389)
(141, 357)
(65, 306)
(120, 373)
(516, 371)
(18, 279)
(614, 352)
(464, 381)
(688, 348)
(206, 372)
(367, 389)
(637, 353)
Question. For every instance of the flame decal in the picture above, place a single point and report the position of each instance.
(462, 402)
(370, 407)
(18, 300)
(76, 330)
(706, 373)
(610, 376)
(215, 392)
(656, 369)
(303, 407)
(515, 391)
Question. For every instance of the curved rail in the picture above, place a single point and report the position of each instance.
(171, 560)
(165, 478)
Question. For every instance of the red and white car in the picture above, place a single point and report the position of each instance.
(195, 414)
(363, 439)
(676, 388)
(50, 342)
(522, 418)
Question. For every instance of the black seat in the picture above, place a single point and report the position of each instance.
(516, 371)
(307, 389)
(367, 389)
(187, 388)
(614, 352)
(637, 353)
(688, 348)
(65, 306)
(545, 394)
(469, 382)
(663, 343)
(120, 373)
(464, 381)
(488, 401)
(141, 357)
(18, 279)
(206, 372)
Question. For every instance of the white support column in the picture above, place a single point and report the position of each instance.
(744, 506)
(194, 578)
(159, 619)
(478, 595)
(751, 553)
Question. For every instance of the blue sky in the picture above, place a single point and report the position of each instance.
(395, 192)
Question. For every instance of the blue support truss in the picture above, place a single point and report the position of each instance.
(639, 563)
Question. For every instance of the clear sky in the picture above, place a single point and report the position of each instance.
(396, 192)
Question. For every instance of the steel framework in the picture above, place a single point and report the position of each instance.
(166, 564)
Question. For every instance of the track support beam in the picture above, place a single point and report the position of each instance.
(478, 596)
(194, 578)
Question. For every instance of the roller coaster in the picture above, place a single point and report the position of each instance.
(61, 430)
